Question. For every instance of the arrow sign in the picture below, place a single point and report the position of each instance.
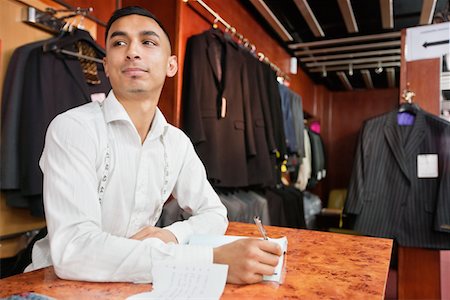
(426, 44)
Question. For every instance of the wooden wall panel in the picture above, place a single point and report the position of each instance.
(417, 280)
(348, 111)
(423, 77)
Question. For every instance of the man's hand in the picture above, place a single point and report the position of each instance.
(248, 259)
(155, 232)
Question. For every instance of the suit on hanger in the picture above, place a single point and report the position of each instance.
(288, 118)
(11, 108)
(388, 193)
(260, 166)
(216, 108)
(299, 125)
(52, 84)
(317, 159)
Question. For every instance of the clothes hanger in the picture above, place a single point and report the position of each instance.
(68, 36)
(409, 105)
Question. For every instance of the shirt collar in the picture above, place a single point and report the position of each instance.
(114, 111)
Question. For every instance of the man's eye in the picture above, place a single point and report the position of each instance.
(150, 43)
(119, 43)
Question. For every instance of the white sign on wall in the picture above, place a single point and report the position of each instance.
(429, 41)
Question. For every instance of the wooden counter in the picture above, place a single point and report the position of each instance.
(319, 265)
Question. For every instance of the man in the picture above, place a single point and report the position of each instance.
(108, 169)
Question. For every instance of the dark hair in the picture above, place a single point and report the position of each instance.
(133, 10)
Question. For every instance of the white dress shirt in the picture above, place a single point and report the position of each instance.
(88, 237)
(304, 172)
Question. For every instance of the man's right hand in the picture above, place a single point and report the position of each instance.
(248, 259)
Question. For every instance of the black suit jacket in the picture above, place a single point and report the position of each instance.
(214, 71)
(260, 166)
(385, 193)
(52, 83)
(11, 108)
(317, 159)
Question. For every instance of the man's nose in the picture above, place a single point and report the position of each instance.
(133, 52)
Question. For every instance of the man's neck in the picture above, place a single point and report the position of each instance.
(141, 112)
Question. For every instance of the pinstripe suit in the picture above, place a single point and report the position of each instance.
(385, 193)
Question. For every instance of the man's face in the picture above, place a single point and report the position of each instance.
(138, 57)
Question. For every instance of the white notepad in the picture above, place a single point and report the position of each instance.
(185, 281)
(219, 240)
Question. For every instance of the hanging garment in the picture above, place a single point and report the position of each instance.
(400, 185)
(288, 119)
(216, 108)
(260, 166)
(51, 83)
(292, 211)
(299, 124)
(304, 172)
(318, 169)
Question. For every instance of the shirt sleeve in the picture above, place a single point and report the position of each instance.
(80, 249)
(195, 195)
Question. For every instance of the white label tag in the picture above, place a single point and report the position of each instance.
(98, 97)
(223, 109)
(427, 166)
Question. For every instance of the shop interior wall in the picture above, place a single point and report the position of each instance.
(328, 107)
(346, 112)
(184, 20)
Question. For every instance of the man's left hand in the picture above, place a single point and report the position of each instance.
(155, 232)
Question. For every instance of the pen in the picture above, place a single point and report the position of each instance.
(260, 227)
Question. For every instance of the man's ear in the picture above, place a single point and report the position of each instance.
(105, 66)
(172, 66)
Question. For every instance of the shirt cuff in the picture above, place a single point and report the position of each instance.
(181, 230)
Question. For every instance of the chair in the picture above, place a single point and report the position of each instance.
(332, 217)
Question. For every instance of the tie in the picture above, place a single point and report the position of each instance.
(89, 67)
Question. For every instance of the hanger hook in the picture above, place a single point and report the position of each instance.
(215, 25)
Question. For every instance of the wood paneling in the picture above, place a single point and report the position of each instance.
(417, 280)
(423, 77)
(348, 111)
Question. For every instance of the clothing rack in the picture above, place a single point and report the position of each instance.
(47, 20)
(240, 37)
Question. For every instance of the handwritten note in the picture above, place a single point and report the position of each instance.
(219, 240)
(186, 281)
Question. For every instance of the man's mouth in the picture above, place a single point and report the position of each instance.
(134, 71)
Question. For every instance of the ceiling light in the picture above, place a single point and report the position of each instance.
(324, 71)
(350, 69)
(379, 68)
